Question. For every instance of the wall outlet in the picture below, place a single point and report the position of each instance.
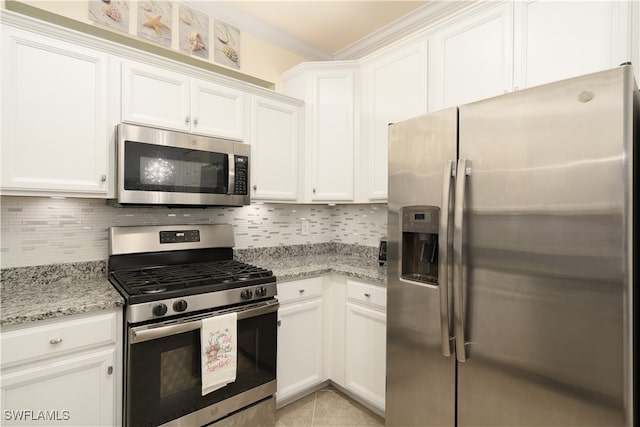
(304, 227)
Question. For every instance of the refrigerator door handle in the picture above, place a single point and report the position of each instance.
(448, 173)
(464, 169)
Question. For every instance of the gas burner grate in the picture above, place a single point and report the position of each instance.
(183, 276)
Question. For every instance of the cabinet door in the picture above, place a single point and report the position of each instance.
(217, 110)
(299, 347)
(76, 391)
(473, 59)
(274, 150)
(366, 353)
(558, 40)
(332, 136)
(55, 124)
(155, 97)
(395, 89)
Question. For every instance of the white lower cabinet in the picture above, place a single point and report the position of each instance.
(300, 337)
(332, 328)
(63, 372)
(366, 342)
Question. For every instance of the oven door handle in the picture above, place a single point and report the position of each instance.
(151, 332)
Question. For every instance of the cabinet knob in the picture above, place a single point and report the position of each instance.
(55, 341)
(103, 178)
(279, 323)
(314, 191)
(187, 120)
(367, 295)
(255, 187)
(195, 122)
(110, 370)
(301, 291)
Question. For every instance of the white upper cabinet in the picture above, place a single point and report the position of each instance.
(55, 117)
(329, 92)
(217, 110)
(472, 59)
(163, 98)
(558, 40)
(394, 84)
(275, 136)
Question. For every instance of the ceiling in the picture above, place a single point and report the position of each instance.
(329, 25)
(324, 30)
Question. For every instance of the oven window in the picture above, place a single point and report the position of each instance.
(163, 380)
(150, 167)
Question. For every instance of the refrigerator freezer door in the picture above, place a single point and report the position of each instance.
(546, 277)
(420, 379)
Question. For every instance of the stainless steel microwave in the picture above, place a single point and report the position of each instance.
(161, 167)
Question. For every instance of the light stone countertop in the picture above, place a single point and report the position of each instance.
(29, 294)
(301, 267)
(24, 302)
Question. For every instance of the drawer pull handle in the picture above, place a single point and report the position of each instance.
(367, 295)
(55, 340)
(301, 291)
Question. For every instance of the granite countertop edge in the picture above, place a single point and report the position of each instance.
(27, 297)
(25, 302)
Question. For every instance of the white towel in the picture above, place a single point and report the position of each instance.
(219, 351)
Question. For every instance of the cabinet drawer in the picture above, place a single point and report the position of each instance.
(368, 294)
(58, 338)
(299, 289)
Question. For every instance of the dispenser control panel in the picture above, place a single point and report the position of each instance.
(420, 219)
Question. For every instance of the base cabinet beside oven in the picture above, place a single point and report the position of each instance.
(63, 372)
(300, 338)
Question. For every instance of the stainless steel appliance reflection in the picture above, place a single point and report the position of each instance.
(173, 278)
(511, 252)
(168, 168)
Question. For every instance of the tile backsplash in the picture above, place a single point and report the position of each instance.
(42, 230)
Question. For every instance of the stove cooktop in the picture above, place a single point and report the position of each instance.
(156, 280)
(173, 270)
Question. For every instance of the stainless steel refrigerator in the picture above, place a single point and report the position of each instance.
(510, 259)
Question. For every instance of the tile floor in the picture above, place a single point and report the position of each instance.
(326, 407)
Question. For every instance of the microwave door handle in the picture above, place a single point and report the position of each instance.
(146, 333)
(232, 174)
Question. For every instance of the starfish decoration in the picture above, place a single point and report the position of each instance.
(155, 23)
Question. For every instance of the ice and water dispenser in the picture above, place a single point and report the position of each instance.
(420, 244)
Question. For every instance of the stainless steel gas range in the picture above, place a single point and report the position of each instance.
(173, 280)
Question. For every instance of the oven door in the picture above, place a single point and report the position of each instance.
(163, 376)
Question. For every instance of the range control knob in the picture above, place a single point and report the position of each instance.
(180, 305)
(160, 310)
(261, 291)
(246, 294)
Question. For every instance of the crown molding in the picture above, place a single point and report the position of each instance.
(225, 11)
(422, 17)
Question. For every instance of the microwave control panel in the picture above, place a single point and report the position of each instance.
(241, 180)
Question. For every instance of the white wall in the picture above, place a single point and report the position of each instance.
(42, 230)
